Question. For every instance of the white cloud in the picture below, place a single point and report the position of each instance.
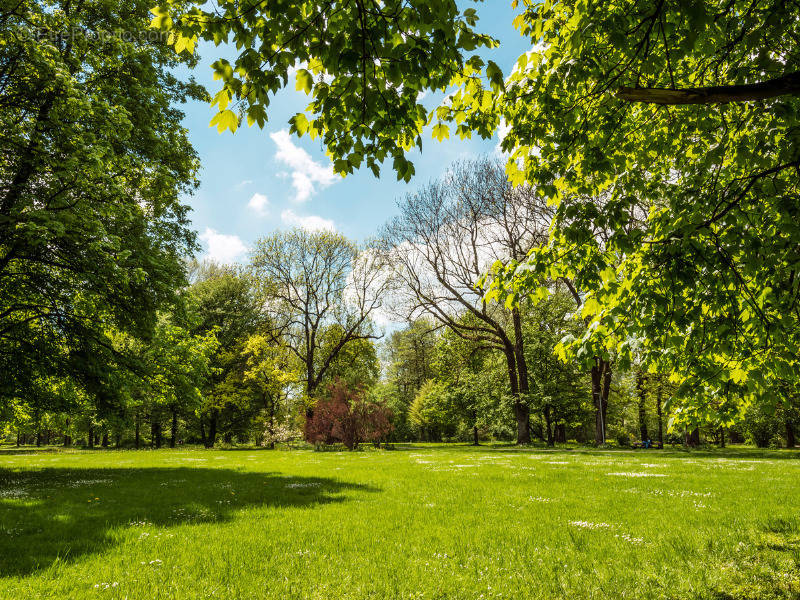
(242, 184)
(307, 175)
(222, 248)
(259, 204)
(502, 132)
(309, 222)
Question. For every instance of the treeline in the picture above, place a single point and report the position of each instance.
(285, 347)
(109, 336)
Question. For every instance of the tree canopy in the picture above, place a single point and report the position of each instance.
(93, 162)
(671, 126)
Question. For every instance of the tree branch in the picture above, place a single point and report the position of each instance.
(721, 94)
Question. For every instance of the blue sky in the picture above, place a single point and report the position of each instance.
(259, 180)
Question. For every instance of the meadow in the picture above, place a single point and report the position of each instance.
(433, 522)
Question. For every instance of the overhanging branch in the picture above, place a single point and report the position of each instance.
(781, 86)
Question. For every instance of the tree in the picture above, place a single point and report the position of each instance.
(345, 415)
(223, 301)
(319, 293)
(408, 354)
(445, 238)
(658, 104)
(476, 384)
(558, 387)
(269, 371)
(432, 413)
(93, 163)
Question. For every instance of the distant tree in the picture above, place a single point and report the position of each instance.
(558, 388)
(345, 415)
(223, 301)
(445, 239)
(433, 413)
(319, 292)
(408, 354)
(475, 380)
(269, 372)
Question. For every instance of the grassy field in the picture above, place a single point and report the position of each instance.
(419, 522)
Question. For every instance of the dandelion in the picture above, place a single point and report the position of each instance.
(637, 474)
(629, 538)
(589, 525)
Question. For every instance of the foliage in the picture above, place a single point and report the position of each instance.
(94, 161)
(365, 64)
(270, 374)
(345, 415)
(763, 426)
(356, 363)
(696, 277)
(432, 411)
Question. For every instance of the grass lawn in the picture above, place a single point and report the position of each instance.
(418, 522)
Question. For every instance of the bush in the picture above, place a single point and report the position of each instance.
(763, 427)
(346, 416)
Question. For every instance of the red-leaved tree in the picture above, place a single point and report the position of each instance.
(344, 415)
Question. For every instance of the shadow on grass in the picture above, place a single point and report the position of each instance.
(62, 514)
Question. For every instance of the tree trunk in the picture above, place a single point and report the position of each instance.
(521, 408)
(173, 430)
(561, 433)
(38, 437)
(721, 437)
(693, 437)
(475, 441)
(601, 384)
(91, 436)
(271, 426)
(138, 438)
(155, 429)
(642, 393)
(18, 436)
(212, 429)
(118, 440)
(548, 426)
(790, 437)
(105, 439)
(660, 418)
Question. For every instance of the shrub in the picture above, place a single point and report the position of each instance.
(346, 416)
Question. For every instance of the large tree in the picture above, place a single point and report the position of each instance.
(445, 238)
(320, 293)
(690, 110)
(93, 161)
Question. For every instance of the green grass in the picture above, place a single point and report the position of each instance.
(420, 522)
